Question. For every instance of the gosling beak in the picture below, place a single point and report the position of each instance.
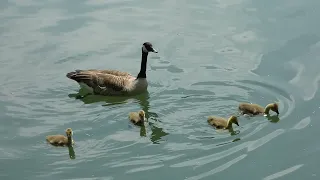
(153, 50)
(237, 123)
(277, 112)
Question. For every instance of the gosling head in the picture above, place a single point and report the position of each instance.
(142, 115)
(69, 132)
(273, 107)
(147, 47)
(234, 119)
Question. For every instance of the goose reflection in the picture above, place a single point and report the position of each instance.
(143, 100)
(109, 100)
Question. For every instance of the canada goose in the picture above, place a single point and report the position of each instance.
(113, 82)
(137, 118)
(255, 109)
(61, 140)
(222, 123)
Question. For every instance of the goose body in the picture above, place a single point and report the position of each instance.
(61, 140)
(114, 82)
(137, 118)
(222, 123)
(255, 109)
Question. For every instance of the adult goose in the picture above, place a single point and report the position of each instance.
(114, 82)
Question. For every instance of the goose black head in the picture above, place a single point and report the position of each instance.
(147, 47)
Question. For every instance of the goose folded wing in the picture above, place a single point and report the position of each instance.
(113, 72)
(112, 82)
(101, 81)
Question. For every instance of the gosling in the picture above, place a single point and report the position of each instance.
(137, 118)
(61, 140)
(222, 123)
(255, 109)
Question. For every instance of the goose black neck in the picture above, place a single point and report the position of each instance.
(143, 68)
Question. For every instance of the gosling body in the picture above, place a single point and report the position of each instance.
(137, 118)
(255, 109)
(222, 123)
(61, 140)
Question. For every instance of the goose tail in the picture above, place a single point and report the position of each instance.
(76, 75)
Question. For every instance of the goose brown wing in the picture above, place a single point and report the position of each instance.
(113, 72)
(99, 81)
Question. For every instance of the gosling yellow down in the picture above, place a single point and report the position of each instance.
(61, 140)
(137, 118)
(222, 123)
(255, 109)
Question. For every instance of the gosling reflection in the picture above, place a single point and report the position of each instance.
(143, 131)
(233, 132)
(72, 154)
(235, 140)
(230, 130)
(273, 119)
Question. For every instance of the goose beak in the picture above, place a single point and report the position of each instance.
(155, 51)
(237, 123)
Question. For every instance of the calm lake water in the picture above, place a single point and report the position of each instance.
(212, 55)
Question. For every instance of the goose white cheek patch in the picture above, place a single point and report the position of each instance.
(144, 49)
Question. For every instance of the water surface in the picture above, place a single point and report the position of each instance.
(212, 55)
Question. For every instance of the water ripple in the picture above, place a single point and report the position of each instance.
(218, 169)
(283, 172)
(210, 158)
(204, 67)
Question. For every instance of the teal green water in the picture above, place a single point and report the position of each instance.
(212, 55)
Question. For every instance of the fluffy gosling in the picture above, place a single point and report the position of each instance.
(137, 118)
(61, 140)
(222, 123)
(255, 109)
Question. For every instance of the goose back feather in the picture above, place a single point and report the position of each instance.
(106, 84)
(113, 72)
